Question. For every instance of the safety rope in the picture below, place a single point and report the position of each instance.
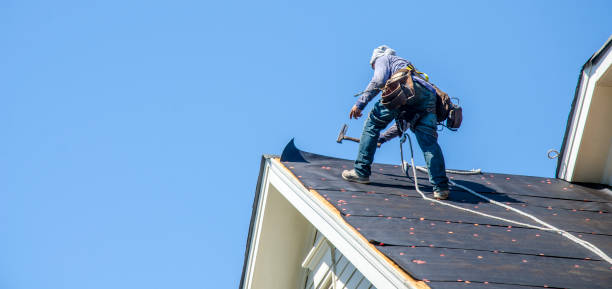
(546, 226)
(552, 154)
(448, 171)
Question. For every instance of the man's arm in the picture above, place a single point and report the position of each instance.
(389, 134)
(381, 71)
(381, 74)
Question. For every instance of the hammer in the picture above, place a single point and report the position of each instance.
(342, 136)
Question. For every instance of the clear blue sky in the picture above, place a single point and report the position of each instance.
(132, 131)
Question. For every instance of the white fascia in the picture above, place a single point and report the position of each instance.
(588, 81)
(256, 233)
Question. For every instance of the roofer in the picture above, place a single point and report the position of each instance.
(424, 125)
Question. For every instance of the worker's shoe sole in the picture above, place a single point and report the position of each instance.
(441, 195)
(352, 176)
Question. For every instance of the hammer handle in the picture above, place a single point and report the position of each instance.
(357, 140)
(351, 138)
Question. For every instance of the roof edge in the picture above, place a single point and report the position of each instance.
(570, 119)
(258, 187)
(355, 244)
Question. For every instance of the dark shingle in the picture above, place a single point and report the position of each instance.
(448, 247)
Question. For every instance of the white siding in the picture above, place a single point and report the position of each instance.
(327, 268)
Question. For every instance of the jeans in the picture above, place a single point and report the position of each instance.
(425, 132)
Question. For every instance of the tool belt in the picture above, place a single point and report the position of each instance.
(447, 111)
(407, 119)
(455, 117)
(399, 89)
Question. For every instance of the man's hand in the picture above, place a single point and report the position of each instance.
(355, 112)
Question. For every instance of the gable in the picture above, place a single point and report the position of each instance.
(285, 215)
(280, 238)
(586, 154)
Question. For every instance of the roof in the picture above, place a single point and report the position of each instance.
(450, 248)
(595, 58)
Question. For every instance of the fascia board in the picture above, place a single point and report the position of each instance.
(371, 263)
(591, 73)
(256, 225)
(575, 130)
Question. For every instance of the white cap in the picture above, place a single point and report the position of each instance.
(380, 51)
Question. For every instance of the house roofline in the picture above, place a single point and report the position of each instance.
(253, 215)
(374, 265)
(570, 119)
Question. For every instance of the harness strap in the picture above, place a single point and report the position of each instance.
(423, 74)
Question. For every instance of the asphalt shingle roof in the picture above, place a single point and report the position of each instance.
(450, 248)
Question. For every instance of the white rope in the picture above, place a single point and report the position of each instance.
(547, 227)
(474, 211)
(470, 172)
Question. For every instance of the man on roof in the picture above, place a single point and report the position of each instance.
(385, 63)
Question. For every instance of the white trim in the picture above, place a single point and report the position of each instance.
(314, 255)
(327, 281)
(569, 156)
(606, 178)
(588, 82)
(304, 276)
(371, 264)
(261, 203)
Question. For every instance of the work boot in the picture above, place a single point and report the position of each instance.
(441, 194)
(352, 176)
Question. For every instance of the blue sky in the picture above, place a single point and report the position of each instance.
(133, 130)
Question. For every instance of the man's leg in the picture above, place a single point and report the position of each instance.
(427, 137)
(378, 119)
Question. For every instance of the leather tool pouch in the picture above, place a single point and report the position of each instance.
(455, 116)
(399, 90)
(447, 111)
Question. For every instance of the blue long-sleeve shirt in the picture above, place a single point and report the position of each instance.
(384, 67)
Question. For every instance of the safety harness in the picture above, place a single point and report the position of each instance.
(399, 91)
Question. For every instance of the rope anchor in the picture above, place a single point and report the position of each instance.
(555, 154)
